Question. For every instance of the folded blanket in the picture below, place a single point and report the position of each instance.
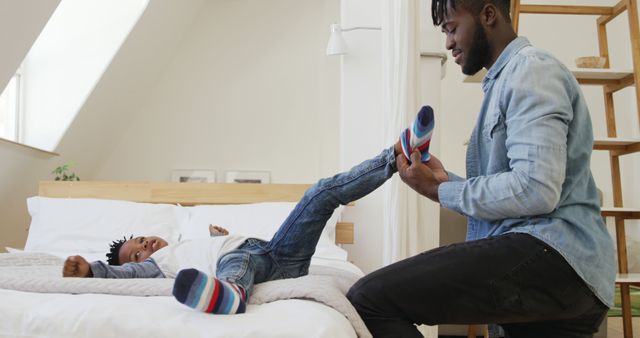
(35, 272)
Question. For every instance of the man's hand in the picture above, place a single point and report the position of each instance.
(76, 266)
(421, 177)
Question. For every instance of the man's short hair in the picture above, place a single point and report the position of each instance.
(113, 256)
(439, 8)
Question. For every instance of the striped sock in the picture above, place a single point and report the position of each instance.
(208, 294)
(419, 135)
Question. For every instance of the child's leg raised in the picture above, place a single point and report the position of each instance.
(294, 243)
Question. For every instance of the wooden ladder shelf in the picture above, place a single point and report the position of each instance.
(612, 81)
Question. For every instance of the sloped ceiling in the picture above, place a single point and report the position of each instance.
(138, 64)
(20, 24)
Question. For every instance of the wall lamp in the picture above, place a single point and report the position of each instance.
(337, 45)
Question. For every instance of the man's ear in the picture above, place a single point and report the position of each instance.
(489, 15)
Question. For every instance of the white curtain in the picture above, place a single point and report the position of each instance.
(412, 72)
(413, 60)
(401, 56)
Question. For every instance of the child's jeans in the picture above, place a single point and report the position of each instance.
(289, 252)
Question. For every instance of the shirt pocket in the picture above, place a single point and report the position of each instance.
(494, 144)
(494, 127)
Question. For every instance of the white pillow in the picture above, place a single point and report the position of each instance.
(88, 226)
(258, 220)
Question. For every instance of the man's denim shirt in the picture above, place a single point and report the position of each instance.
(528, 165)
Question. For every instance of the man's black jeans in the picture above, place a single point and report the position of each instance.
(514, 280)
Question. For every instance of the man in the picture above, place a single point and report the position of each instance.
(538, 259)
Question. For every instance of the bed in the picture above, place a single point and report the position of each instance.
(83, 217)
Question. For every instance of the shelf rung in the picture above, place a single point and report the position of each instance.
(556, 9)
(628, 278)
(627, 213)
(618, 146)
(596, 76)
(601, 74)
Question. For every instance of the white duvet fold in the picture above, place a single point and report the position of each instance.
(35, 272)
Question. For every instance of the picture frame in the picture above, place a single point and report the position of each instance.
(256, 177)
(193, 176)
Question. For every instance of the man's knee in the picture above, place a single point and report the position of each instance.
(354, 295)
(364, 293)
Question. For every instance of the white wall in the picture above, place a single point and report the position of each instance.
(226, 85)
(249, 88)
(216, 84)
(140, 60)
(361, 129)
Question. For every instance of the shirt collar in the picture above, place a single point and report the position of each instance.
(512, 48)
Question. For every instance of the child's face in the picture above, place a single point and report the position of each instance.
(140, 248)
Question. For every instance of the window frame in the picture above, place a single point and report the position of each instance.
(15, 109)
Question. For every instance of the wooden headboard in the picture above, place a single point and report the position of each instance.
(187, 194)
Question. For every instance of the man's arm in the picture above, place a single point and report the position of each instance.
(538, 111)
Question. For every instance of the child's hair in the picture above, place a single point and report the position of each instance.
(113, 256)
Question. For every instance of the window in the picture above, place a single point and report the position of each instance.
(62, 67)
(10, 110)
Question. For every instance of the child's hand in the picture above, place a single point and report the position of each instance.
(216, 230)
(76, 266)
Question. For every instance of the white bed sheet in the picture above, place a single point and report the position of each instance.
(24, 314)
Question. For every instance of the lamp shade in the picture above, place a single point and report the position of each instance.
(337, 45)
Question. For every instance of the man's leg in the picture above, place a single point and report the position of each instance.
(583, 326)
(511, 278)
(294, 243)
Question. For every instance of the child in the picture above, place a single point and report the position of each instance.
(227, 283)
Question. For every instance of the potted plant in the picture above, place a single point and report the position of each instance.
(63, 174)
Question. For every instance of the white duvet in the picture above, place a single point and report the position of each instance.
(27, 314)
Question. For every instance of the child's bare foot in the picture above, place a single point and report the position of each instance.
(216, 230)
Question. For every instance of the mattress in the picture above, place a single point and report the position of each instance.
(26, 314)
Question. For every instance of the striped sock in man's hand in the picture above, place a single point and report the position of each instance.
(418, 136)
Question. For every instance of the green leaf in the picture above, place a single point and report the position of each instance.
(62, 172)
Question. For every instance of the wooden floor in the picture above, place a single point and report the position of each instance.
(614, 327)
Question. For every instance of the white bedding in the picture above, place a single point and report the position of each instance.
(25, 314)
(67, 226)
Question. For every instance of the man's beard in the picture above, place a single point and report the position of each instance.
(478, 52)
